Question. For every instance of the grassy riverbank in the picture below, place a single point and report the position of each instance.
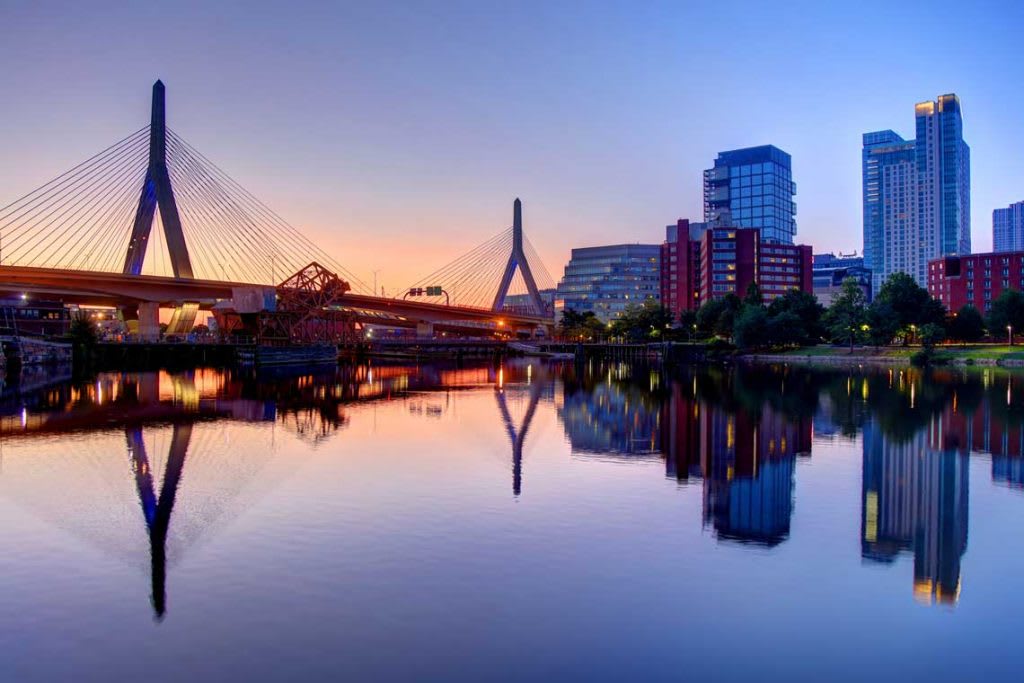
(974, 354)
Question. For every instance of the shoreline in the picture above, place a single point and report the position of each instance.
(971, 356)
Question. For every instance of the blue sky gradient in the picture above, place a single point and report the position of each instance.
(398, 134)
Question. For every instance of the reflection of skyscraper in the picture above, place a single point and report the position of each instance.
(748, 489)
(914, 498)
(746, 458)
(610, 419)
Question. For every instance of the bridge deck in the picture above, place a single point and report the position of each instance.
(116, 289)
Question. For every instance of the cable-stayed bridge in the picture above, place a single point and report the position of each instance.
(151, 222)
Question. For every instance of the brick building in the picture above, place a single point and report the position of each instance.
(700, 262)
(976, 279)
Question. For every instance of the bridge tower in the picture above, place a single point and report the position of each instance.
(157, 191)
(517, 259)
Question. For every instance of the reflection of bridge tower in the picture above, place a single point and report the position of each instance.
(157, 511)
(157, 191)
(518, 436)
(517, 259)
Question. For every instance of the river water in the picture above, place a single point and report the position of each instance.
(515, 522)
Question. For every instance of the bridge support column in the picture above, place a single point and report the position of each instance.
(149, 321)
(425, 330)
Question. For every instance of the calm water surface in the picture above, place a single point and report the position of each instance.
(513, 523)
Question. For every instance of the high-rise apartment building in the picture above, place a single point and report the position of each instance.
(753, 188)
(889, 170)
(1008, 228)
(916, 194)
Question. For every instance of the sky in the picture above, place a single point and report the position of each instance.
(396, 135)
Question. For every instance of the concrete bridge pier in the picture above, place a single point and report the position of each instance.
(425, 330)
(149, 321)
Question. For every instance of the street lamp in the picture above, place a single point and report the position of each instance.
(1009, 334)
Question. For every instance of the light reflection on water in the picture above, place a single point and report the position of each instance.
(596, 521)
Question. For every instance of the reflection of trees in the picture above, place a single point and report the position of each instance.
(749, 389)
(900, 401)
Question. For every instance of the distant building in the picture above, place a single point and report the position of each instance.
(976, 279)
(916, 193)
(36, 317)
(700, 263)
(605, 280)
(831, 270)
(753, 188)
(522, 303)
(1008, 228)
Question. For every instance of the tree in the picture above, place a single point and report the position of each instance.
(930, 335)
(649, 320)
(687, 320)
(883, 323)
(967, 325)
(787, 329)
(751, 327)
(1007, 312)
(806, 317)
(907, 305)
(577, 325)
(753, 296)
(82, 332)
(846, 315)
(716, 316)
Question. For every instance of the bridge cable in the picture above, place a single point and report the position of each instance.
(38, 236)
(29, 228)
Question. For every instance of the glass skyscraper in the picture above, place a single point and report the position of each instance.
(916, 194)
(1008, 228)
(752, 188)
(606, 280)
(889, 169)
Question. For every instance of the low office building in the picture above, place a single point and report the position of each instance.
(830, 271)
(976, 279)
(701, 262)
(605, 280)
